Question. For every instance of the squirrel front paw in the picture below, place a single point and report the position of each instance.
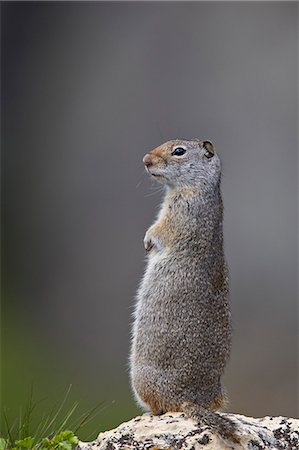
(148, 243)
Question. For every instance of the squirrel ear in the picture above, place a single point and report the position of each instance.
(209, 146)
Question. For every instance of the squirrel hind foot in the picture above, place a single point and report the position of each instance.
(225, 427)
(156, 408)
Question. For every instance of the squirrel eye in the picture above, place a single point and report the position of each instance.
(179, 151)
(209, 154)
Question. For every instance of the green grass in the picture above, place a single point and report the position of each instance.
(65, 440)
(56, 430)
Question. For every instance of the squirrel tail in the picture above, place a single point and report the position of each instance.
(224, 426)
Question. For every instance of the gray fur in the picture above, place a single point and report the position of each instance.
(182, 327)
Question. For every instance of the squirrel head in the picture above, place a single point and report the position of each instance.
(184, 163)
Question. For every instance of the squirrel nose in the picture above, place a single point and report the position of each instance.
(147, 160)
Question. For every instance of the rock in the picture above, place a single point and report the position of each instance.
(174, 431)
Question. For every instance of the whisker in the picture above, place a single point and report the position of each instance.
(140, 180)
(155, 190)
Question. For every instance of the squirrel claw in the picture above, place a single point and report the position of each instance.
(148, 244)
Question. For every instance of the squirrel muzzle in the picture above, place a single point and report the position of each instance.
(147, 160)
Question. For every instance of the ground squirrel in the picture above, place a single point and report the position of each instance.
(182, 321)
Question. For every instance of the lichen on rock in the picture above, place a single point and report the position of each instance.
(174, 431)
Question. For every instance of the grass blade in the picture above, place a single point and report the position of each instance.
(52, 422)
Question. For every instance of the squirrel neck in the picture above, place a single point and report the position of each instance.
(206, 197)
(194, 217)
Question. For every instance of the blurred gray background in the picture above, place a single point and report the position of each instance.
(87, 89)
